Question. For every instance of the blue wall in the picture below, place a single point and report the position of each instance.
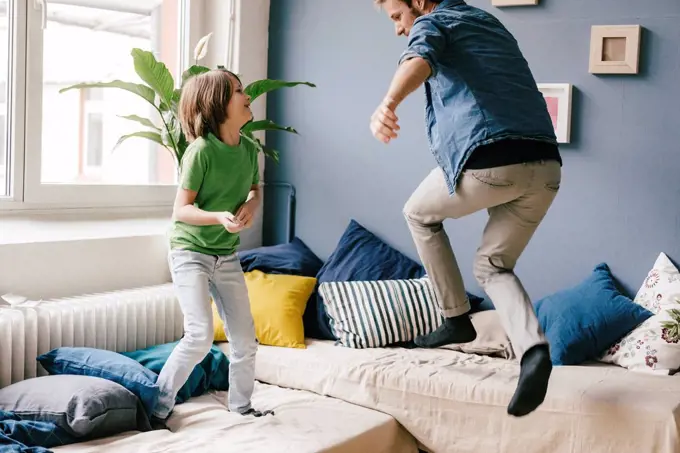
(620, 196)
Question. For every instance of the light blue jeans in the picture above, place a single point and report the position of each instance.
(196, 276)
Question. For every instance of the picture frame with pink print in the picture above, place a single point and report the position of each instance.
(558, 97)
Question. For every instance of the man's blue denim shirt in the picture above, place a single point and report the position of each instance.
(481, 89)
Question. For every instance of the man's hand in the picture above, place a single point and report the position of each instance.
(412, 73)
(228, 220)
(384, 124)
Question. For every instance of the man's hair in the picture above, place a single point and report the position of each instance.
(203, 104)
(409, 3)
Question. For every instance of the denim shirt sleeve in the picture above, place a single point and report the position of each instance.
(427, 41)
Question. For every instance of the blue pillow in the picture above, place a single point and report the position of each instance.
(211, 374)
(107, 365)
(293, 258)
(581, 322)
(361, 256)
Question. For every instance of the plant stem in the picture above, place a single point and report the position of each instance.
(172, 139)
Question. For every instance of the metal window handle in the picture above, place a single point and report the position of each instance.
(42, 5)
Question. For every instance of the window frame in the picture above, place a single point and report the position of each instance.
(91, 109)
(15, 102)
(27, 192)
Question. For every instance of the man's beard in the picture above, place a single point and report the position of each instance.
(415, 12)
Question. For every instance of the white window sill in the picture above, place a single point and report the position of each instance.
(56, 227)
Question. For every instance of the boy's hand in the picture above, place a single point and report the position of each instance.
(245, 214)
(228, 220)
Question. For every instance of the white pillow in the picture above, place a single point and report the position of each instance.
(654, 345)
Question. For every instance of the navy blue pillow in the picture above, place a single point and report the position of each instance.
(581, 322)
(361, 256)
(211, 374)
(107, 365)
(479, 304)
(293, 258)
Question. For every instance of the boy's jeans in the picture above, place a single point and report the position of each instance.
(196, 277)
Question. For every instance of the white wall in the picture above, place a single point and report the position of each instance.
(45, 270)
(101, 257)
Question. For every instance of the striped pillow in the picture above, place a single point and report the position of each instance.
(372, 314)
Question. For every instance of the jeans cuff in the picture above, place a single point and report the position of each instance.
(457, 311)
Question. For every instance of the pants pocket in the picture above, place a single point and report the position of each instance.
(491, 178)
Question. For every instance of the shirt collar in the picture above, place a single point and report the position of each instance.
(449, 3)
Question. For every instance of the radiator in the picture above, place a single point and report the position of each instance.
(119, 321)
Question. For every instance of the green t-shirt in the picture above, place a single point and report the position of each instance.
(222, 175)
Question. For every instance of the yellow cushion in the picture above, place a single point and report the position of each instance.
(277, 302)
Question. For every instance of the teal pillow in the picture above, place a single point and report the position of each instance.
(582, 322)
(211, 374)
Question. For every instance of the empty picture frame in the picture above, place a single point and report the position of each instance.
(558, 98)
(615, 49)
(513, 2)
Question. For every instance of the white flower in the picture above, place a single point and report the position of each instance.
(201, 49)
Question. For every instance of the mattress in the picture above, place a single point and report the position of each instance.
(456, 402)
(303, 422)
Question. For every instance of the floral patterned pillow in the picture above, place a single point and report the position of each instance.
(653, 346)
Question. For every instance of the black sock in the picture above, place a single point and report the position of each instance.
(255, 413)
(533, 381)
(458, 329)
(158, 423)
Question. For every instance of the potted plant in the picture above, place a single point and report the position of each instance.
(160, 91)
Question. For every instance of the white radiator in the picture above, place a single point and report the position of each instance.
(119, 321)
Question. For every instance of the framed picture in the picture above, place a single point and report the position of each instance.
(558, 98)
(615, 49)
(514, 2)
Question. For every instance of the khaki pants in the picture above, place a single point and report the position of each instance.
(517, 198)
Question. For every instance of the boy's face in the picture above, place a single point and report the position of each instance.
(238, 109)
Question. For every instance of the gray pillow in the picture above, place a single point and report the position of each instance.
(84, 406)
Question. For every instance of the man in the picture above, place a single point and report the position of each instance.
(494, 143)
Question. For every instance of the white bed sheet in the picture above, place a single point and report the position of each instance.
(303, 422)
(455, 402)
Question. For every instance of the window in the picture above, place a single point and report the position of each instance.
(67, 151)
(5, 56)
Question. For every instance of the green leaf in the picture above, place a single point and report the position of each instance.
(154, 73)
(143, 121)
(193, 71)
(675, 314)
(182, 146)
(271, 153)
(171, 135)
(268, 151)
(267, 125)
(260, 87)
(153, 136)
(140, 90)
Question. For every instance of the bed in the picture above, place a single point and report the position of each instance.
(456, 402)
(303, 422)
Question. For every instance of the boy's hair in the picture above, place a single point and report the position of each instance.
(203, 104)
(409, 3)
